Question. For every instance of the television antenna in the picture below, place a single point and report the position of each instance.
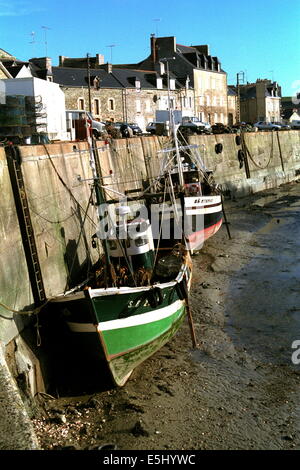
(45, 28)
(33, 41)
(156, 27)
(111, 47)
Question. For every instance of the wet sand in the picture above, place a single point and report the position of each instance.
(239, 389)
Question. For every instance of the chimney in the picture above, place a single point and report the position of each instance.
(61, 60)
(153, 48)
(108, 67)
(99, 59)
(43, 63)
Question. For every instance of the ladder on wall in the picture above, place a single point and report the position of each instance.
(25, 223)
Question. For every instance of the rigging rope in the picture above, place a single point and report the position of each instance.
(252, 159)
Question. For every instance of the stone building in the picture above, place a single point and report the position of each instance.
(231, 106)
(260, 101)
(193, 65)
(121, 92)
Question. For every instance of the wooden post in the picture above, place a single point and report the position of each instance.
(280, 152)
(191, 324)
(225, 218)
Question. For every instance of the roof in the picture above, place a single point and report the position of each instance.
(14, 69)
(125, 78)
(4, 54)
(231, 91)
(77, 77)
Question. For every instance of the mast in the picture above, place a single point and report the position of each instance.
(100, 197)
(179, 163)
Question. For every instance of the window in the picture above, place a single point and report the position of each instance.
(111, 104)
(81, 104)
(162, 68)
(138, 105)
(159, 83)
(208, 100)
(96, 107)
(172, 84)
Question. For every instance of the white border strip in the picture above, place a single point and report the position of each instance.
(148, 317)
(208, 210)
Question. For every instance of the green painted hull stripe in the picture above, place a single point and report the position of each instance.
(121, 340)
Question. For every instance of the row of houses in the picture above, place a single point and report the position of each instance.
(186, 78)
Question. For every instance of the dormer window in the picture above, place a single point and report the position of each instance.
(172, 84)
(187, 83)
(138, 84)
(162, 68)
(159, 83)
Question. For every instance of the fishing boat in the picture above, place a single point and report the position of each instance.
(137, 295)
(198, 210)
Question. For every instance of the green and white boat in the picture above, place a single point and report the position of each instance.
(131, 323)
(137, 297)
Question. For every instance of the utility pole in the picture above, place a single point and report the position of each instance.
(89, 81)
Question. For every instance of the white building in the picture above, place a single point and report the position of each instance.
(50, 99)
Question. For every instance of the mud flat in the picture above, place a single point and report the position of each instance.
(239, 389)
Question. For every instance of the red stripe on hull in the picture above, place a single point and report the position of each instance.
(197, 239)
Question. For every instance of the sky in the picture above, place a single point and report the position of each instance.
(260, 38)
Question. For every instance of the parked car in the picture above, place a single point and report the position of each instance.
(207, 126)
(189, 128)
(282, 125)
(295, 124)
(76, 115)
(151, 127)
(203, 126)
(266, 126)
(243, 126)
(220, 128)
(136, 129)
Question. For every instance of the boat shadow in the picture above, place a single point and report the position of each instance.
(71, 366)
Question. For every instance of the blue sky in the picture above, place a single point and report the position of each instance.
(261, 38)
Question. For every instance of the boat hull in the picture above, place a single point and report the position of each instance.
(203, 217)
(131, 324)
(126, 346)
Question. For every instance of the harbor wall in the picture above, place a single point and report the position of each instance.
(273, 158)
(57, 180)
